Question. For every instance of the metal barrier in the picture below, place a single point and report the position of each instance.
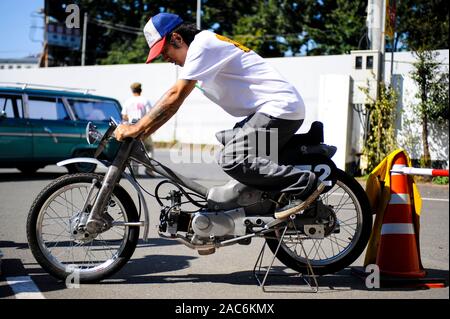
(401, 169)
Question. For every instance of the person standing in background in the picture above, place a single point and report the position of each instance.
(133, 110)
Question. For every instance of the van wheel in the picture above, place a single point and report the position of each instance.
(82, 167)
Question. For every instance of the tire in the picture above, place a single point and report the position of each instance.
(353, 197)
(56, 256)
(82, 167)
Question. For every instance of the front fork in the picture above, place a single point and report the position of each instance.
(96, 223)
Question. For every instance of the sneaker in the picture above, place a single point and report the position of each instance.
(299, 206)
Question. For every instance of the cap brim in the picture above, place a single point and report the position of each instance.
(156, 50)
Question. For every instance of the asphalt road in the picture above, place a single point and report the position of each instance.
(164, 269)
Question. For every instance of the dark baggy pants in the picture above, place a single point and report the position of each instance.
(251, 150)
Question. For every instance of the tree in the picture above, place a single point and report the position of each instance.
(422, 24)
(303, 27)
(219, 16)
(433, 95)
(381, 126)
(113, 27)
(263, 31)
(222, 16)
(336, 26)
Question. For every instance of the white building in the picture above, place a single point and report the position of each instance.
(23, 63)
(328, 85)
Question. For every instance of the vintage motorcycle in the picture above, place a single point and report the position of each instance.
(90, 223)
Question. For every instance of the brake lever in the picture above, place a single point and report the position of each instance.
(109, 132)
(112, 122)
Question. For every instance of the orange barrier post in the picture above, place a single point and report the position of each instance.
(398, 252)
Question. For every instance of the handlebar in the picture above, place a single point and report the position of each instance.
(104, 140)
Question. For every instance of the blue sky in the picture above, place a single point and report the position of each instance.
(17, 35)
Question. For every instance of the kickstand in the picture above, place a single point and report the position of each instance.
(309, 279)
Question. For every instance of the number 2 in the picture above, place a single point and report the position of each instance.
(317, 169)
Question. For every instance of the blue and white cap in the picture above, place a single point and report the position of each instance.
(155, 32)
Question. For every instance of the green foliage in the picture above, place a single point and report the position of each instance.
(260, 31)
(270, 27)
(381, 132)
(433, 86)
(338, 27)
(222, 16)
(433, 97)
(440, 180)
(302, 27)
(423, 24)
(130, 52)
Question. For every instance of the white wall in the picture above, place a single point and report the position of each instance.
(409, 129)
(334, 112)
(199, 119)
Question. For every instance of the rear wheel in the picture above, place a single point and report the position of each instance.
(60, 250)
(338, 249)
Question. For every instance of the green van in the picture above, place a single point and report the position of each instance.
(39, 127)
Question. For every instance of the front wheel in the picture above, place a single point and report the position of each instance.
(60, 250)
(339, 248)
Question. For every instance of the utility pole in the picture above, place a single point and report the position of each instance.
(376, 17)
(44, 58)
(83, 48)
(46, 42)
(199, 14)
(392, 25)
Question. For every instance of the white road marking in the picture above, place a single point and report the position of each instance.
(435, 199)
(24, 287)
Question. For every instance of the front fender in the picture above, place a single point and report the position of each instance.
(104, 165)
(101, 164)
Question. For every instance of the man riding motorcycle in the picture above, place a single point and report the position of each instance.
(243, 84)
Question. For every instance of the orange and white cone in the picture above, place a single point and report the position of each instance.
(398, 251)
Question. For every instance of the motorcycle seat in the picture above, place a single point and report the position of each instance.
(313, 137)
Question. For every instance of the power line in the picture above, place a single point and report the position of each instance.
(138, 31)
(117, 27)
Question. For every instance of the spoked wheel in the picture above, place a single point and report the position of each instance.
(61, 250)
(345, 239)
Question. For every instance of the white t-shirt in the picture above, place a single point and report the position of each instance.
(238, 79)
(136, 107)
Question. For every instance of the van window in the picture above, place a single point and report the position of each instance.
(45, 108)
(11, 105)
(91, 110)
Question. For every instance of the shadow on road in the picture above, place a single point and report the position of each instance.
(143, 270)
(20, 177)
(161, 269)
(11, 244)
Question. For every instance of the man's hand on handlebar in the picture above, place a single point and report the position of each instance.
(126, 130)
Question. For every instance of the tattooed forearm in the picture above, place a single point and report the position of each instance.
(165, 108)
(159, 115)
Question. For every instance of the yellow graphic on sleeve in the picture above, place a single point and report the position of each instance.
(237, 44)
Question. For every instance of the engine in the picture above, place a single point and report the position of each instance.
(208, 225)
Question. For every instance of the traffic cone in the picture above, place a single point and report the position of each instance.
(398, 251)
